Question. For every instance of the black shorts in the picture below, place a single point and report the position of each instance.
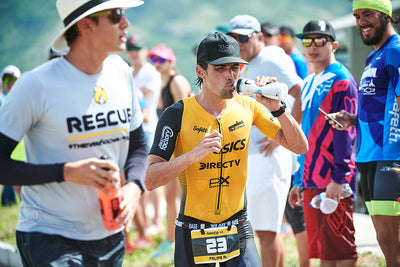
(248, 251)
(380, 187)
(38, 249)
(295, 216)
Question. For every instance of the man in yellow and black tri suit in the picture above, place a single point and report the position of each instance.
(208, 135)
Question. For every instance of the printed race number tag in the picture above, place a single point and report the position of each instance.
(215, 245)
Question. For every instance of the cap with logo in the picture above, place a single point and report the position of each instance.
(318, 26)
(244, 25)
(384, 6)
(218, 49)
(71, 11)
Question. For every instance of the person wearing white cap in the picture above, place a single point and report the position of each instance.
(9, 75)
(270, 165)
(72, 111)
(378, 138)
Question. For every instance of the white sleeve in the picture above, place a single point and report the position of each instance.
(22, 107)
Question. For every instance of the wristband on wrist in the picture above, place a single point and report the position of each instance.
(280, 111)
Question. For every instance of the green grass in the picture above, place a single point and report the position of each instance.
(142, 258)
(8, 219)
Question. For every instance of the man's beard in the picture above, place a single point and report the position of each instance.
(379, 32)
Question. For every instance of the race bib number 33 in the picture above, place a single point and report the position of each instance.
(215, 244)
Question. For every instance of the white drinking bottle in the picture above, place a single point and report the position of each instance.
(275, 90)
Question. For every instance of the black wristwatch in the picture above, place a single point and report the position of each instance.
(280, 111)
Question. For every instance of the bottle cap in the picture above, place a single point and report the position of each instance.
(328, 205)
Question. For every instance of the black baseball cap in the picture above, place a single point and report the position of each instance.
(318, 26)
(269, 28)
(287, 30)
(218, 49)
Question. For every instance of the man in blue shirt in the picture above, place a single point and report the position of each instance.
(378, 138)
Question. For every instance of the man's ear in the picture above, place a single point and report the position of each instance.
(335, 45)
(200, 71)
(85, 25)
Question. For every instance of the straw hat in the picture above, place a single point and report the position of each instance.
(71, 11)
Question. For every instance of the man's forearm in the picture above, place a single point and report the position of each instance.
(160, 172)
(291, 135)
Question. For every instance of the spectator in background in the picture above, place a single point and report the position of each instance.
(148, 80)
(288, 42)
(329, 162)
(378, 141)
(295, 216)
(270, 165)
(71, 111)
(9, 75)
(174, 87)
(270, 33)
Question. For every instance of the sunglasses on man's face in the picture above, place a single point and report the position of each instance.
(159, 59)
(114, 15)
(9, 79)
(242, 38)
(285, 38)
(318, 41)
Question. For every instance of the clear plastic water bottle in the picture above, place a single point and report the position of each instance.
(328, 205)
(316, 201)
(109, 204)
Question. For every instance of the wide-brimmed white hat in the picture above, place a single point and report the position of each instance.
(71, 11)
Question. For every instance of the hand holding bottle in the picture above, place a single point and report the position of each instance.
(274, 90)
(328, 205)
(110, 203)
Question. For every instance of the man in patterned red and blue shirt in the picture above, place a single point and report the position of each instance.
(330, 160)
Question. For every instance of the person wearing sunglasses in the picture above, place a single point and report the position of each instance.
(9, 75)
(288, 42)
(295, 216)
(72, 111)
(174, 87)
(329, 163)
(266, 157)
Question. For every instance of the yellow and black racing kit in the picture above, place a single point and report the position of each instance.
(213, 189)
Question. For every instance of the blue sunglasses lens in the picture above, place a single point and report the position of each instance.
(159, 59)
